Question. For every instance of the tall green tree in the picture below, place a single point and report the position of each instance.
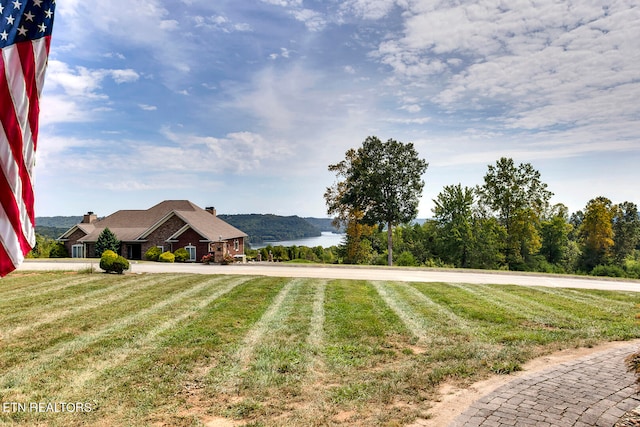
(453, 212)
(107, 241)
(596, 232)
(626, 230)
(555, 231)
(383, 180)
(519, 198)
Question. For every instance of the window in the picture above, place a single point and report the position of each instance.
(77, 251)
(236, 245)
(192, 252)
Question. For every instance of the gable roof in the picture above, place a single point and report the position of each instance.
(137, 225)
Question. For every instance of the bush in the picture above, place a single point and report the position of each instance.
(153, 253)
(107, 258)
(406, 259)
(58, 251)
(181, 255)
(111, 262)
(120, 265)
(207, 259)
(608, 271)
(166, 257)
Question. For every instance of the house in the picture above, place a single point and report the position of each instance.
(170, 225)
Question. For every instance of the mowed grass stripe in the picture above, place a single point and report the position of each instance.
(229, 378)
(358, 324)
(18, 284)
(148, 341)
(57, 332)
(170, 377)
(316, 334)
(523, 307)
(282, 357)
(55, 354)
(425, 318)
(369, 357)
(38, 295)
(25, 321)
(591, 297)
(443, 313)
(416, 324)
(568, 299)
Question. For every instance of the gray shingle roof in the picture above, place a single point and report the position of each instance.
(132, 225)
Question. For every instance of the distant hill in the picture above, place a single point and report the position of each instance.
(55, 226)
(322, 224)
(270, 227)
(58, 221)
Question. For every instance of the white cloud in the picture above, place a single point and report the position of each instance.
(123, 76)
(221, 23)
(547, 63)
(74, 94)
(370, 9)
(146, 107)
(313, 20)
(237, 153)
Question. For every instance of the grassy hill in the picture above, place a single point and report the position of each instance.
(269, 227)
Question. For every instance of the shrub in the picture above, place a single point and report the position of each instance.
(58, 251)
(166, 257)
(106, 260)
(111, 262)
(207, 259)
(119, 265)
(406, 259)
(608, 271)
(153, 253)
(181, 255)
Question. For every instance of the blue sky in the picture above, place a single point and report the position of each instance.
(242, 105)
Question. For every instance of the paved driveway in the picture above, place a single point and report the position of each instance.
(356, 273)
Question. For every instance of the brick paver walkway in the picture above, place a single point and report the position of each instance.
(594, 390)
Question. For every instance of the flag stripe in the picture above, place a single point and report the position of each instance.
(6, 263)
(21, 182)
(18, 91)
(41, 52)
(25, 39)
(27, 59)
(14, 216)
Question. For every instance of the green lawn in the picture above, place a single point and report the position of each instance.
(181, 349)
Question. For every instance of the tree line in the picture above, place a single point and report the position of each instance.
(505, 223)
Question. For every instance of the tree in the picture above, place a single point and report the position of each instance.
(519, 198)
(626, 230)
(555, 231)
(107, 241)
(453, 212)
(383, 181)
(596, 232)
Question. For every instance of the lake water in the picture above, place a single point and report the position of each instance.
(326, 240)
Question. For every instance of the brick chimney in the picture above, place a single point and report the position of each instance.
(89, 218)
(211, 210)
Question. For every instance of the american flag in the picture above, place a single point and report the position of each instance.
(25, 36)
